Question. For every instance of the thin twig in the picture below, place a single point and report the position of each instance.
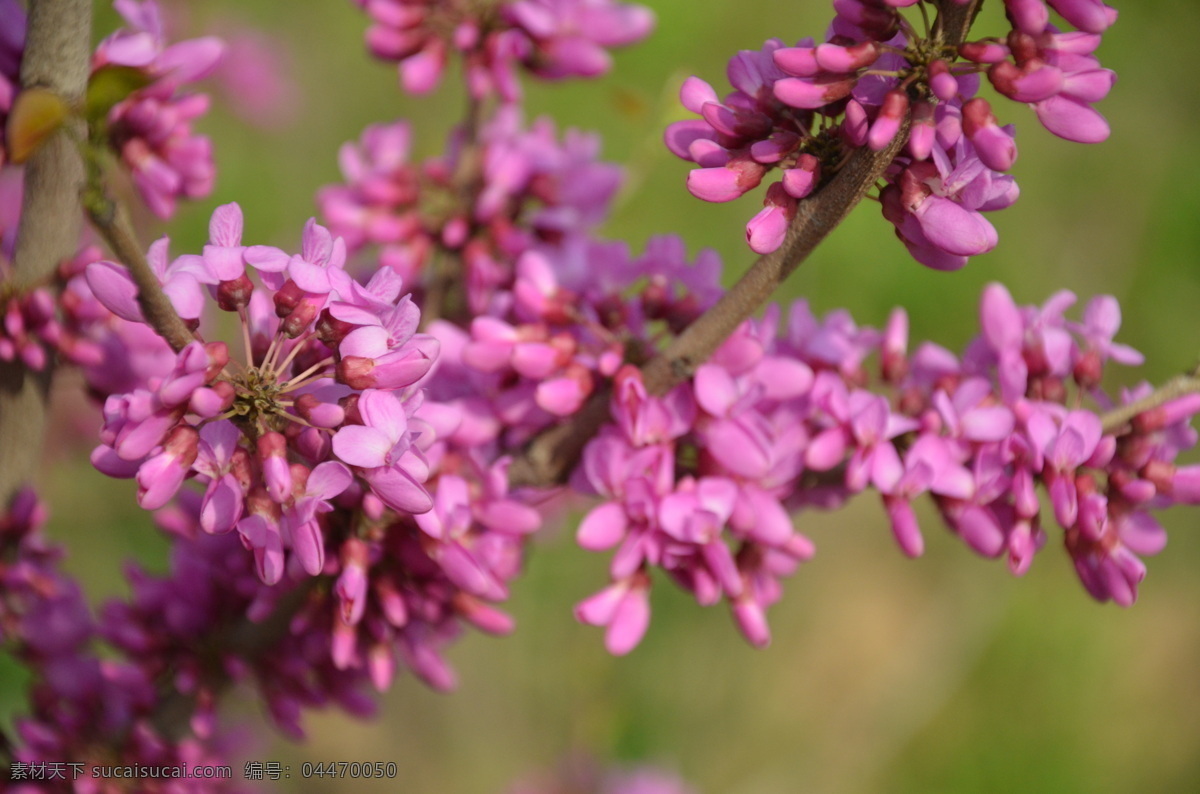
(553, 454)
(112, 221)
(1173, 389)
(550, 457)
(243, 639)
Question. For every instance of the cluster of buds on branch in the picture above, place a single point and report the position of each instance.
(350, 446)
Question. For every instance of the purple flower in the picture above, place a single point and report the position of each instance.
(936, 206)
(113, 286)
(382, 447)
(623, 608)
(324, 482)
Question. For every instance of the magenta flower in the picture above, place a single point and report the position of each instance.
(151, 129)
(113, 286)
(569, 37)
(324, 482)
(936, 206)
(623, 608)
(223, 261)
(382, 447)
(225, 464)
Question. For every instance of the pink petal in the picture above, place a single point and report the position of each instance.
(766, 230)
(987, 424)
(225, 226)
(904, 526)
(113, 286)
(598, 609)
(603, 527)
(309, 547)
(1072, 119)
(752, 622)
(772, 525)
(715, 184)
(399, 490)
(328, 480)
(694, 93)
(362, 446)
(954, 228)
(629, 623)
(680, 136)
(222, 505)
(382, 411)
(560, 396)
(716, 390)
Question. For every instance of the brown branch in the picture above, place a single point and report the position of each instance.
(550, 457)
(445, 294)
(112, 221)
(815, 218)
(1173, 389)
(954, 21)
(243, 639)
(57, 57)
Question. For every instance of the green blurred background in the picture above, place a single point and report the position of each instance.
(885, 674)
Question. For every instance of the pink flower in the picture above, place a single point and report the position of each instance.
(383, 448)
(624, 608)
(324, 482)
(113, 286)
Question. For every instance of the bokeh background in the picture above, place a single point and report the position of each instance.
(885, 674)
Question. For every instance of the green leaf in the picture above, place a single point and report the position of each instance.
(110, 85)
(36, 113)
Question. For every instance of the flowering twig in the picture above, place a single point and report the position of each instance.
(112, 221)
(247, 640)
(445, 290)
(814, 220)
(1173, 389)
(56, 58)
(553, 454)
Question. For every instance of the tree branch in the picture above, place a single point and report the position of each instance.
(57, 57)
(112, 221)
(955, 20)
(550, 457)
(1179, 386)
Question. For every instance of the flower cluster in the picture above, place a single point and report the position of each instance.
(699, 482)
(36, 327)
(554, 39)
(398, 591)
(1054, 71)
(574, 318)
(80, 701)
(322, 455)
(324, 380)
(150, 126)
(532, 191)
(804, 109)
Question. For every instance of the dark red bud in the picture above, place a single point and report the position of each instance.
(287, 298)
(235, 294)
(331, 330)
(349, 404)
(356, 372)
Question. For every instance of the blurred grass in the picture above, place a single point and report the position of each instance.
(885, 675)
